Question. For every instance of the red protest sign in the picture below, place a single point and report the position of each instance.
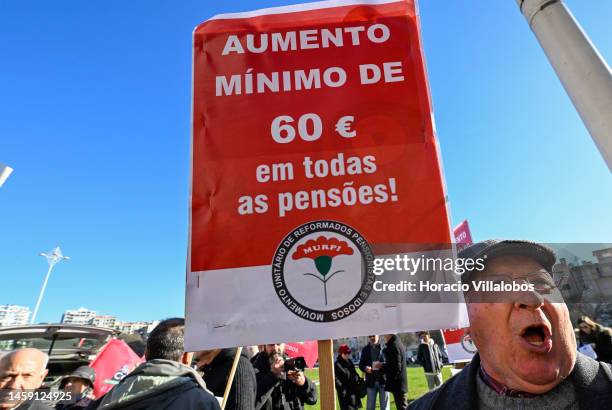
(459, 345)
(313, 150)
(114, 361)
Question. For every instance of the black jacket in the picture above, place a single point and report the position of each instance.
(244, 387)
(366, 360)
(346, 376)
(160, 384)
(428, 356)
(395, 366)
(592, 381)
(275, 393)
(603, 343)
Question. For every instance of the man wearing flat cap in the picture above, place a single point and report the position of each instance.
(527, 356)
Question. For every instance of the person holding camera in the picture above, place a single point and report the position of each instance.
(347, 380)
(281, 383)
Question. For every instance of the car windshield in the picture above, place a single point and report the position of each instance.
(61, 344)
(68, 346)
(55, 340)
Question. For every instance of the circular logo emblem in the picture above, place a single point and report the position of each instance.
(323, 271)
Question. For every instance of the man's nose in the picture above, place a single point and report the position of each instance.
(531, 300)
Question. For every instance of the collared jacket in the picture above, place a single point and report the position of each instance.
(592, 381)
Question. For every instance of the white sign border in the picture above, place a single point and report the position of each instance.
(300, 7)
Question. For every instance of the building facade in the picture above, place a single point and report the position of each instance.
(130, 327)
(84, 316)
(81, 316)
(586, 282)
(14, 315)
(142, 328)
(104, 321)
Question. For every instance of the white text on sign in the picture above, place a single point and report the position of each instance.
(306, 39)
(309, 128)
(298, 80)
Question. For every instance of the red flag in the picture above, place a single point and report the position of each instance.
(463, 236)
(114, 361)
(459, 344)
(308, 350)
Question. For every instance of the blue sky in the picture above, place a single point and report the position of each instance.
(95, 120)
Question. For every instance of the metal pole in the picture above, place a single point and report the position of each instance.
(53, 257)
(42, 292)
(584, 73)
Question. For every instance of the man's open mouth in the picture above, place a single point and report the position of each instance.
(537, 338)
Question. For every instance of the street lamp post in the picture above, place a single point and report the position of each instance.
(53, 257)
(5, 171)
(582, 70)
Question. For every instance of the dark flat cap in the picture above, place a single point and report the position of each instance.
(492, 248)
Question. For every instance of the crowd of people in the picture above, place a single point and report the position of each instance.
(527, 358)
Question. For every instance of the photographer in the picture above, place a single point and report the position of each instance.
(280, 384)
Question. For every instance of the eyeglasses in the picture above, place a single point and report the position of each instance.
(542, 281)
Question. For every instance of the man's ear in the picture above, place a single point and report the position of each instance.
(187, 358)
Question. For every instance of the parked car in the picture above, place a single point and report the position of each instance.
(68, 346)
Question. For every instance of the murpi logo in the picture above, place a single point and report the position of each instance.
(322, 271)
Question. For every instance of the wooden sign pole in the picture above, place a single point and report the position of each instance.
(327, 385)
(230, 380)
